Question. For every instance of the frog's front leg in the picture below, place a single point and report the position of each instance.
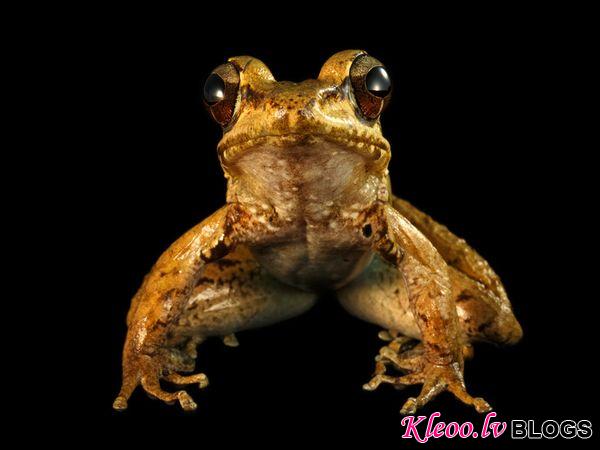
(158, 342)
(438, 365)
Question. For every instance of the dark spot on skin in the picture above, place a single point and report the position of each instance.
(463, 297)
(203, 280)
(227, 263)
(367, 230)
(173, 293)
(217, 252)
(484, 325)
(192, 306)
(252, 97)
(397, 291)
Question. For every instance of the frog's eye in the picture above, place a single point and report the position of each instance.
(221, 92)
(371, 85)
(214, 89)
(378, 82)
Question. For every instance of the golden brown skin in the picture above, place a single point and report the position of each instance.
(309, 208)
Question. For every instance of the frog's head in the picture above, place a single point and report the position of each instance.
(337, 112)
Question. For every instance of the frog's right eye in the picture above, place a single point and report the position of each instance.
(221, 92)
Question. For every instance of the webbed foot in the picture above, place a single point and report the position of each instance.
(410, 359)
(435, 379)
(147, 371)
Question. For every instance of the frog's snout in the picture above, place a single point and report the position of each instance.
(296, 107)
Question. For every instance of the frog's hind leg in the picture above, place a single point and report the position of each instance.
(482, 304)
(379, 296)
(232, 294)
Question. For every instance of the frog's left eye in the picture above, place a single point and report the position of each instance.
(371, 85)
(221, 92)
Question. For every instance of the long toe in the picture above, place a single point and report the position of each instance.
(120, 404)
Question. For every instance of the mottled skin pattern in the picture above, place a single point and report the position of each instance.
(309, 208)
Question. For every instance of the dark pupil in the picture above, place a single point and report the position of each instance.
(214, 89)
(378, 82)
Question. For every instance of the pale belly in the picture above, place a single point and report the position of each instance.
(318, 192)
(313, 264)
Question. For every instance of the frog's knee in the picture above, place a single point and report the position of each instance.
(483, 321)
(504, 329)
(511, 330)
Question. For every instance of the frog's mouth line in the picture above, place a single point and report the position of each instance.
(378, 152)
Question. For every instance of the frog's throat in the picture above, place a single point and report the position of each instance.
(377, 152)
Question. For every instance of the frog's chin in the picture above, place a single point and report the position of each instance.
(376, 152)
(312, 168)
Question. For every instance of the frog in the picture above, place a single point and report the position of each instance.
(309, 209)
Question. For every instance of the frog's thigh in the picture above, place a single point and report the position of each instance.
(235, 293)
(379, 296)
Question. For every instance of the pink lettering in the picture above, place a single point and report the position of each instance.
(430, 431)
(438, 430)
(451, 429)
(496, 430)
(411, 428)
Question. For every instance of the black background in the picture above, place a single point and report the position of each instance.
(483, 139)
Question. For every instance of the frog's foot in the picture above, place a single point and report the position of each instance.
(199, 378)
(435, 379)
(147, 371)
(230, 340)
(402, 355)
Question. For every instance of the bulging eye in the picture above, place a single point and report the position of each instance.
(378, 82)
(371, 85)
(221, 92)
(214, 89)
